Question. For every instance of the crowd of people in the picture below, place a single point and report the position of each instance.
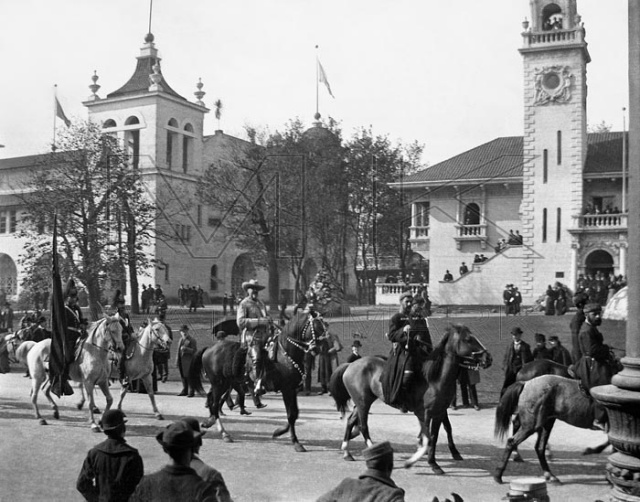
(512, 299)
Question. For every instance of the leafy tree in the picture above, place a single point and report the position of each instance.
(90, 184)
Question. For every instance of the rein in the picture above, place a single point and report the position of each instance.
(154, 333)
(300, 345)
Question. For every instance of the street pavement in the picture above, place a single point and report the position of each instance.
(42, 462)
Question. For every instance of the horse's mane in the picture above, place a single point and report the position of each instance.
(433, 364)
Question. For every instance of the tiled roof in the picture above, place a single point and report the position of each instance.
(502, 158)
(139, 82)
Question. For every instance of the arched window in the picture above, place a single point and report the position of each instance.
(187, 148)
(109, 123)
(132, 142)
(213, 281)
(552, 17)
(172, 145)
(471, 214)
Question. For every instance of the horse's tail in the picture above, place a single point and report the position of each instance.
(338, 390)
(506, 408)
(194, 378)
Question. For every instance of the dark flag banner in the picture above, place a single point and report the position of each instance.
(57, 373)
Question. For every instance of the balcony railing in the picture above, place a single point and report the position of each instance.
(471, 233)
(553, 37)
(616, 221)
(419, 232)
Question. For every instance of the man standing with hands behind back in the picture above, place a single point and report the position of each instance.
(187, 347)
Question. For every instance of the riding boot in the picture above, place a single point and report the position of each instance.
(257, 402)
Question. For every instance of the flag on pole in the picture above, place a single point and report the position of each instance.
(57, 361)
(322, 78)
(60, 113)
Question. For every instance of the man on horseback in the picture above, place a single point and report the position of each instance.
(596, 366)
(255, 327)
(409, 332)
(118, 304)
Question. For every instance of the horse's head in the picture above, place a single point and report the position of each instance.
(159, 334)
(13, 342)
(113, 329)
(472, 354)
(309, 328)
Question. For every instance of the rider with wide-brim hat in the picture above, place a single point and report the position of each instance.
(255, 327)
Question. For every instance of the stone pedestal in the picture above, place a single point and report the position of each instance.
(623, 468)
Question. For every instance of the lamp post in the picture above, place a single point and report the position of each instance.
(622, 398)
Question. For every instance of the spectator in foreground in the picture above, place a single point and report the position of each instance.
(518, 354)
(112, 468)
(374, 485)
(355, 351)
(559, 352)
(206, 472)
(176, 481)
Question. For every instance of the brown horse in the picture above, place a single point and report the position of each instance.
(360, 382)
(538, 403)
(300, 335)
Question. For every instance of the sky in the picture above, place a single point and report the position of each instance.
(445, 74)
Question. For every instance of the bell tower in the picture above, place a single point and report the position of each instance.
(555, 60)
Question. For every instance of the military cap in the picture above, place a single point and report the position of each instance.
(377, 450)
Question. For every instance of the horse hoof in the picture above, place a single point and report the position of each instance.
(517, 458)
(299, 448)
(456, 456)
(437, 470)
(56, 415)
(348, 457)
(550, 478)
(79, 405)
(498, 479)
(227, 439)
(159, 416)
(96, 410)
(588, 451)
(42, 421)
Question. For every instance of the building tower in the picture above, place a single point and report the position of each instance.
(555, 59)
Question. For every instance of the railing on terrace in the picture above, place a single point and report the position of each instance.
(553, 36)
(603, 221)
(472, 231)
(388, 293)
(419, 232)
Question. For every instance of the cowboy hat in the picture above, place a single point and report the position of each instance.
(252, 284)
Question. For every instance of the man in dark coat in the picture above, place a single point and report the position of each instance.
(559, 352)
(39, 332)
(579, 300)
(374, 485)
(540, 351)
(355, 351)
(508, 300)
(112, 469)
(409, 333)
(517, 355)
(176, 481)
(187, 347)
(595, 366)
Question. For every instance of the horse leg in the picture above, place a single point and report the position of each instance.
(36, 383)
(431, 451)
(516, 425)
(124, 389)
(89, 388)
(349, 434)
(46, 388)
(214, 412)
(424, 440)
(541, 445)
(148, 384)
(512, 443)
(596, 449)
(290, 399)
(80, 403)
(455, 454)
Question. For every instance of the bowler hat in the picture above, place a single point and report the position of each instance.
(592, 307)
(377, 451)
(184, 327)
(179, 435)
(252, 284)
(516, 331)
(112, 419)
(195, 425)
(356, 343)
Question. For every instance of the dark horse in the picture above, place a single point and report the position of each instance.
(300, 335)
(538, 403)
(360, 381)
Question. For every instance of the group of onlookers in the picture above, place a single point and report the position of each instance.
(512, 299)
(555, 299)
(153, 300)
(191, 297)
(600, 287)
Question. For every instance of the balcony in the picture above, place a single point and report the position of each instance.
(471, 233)
(532, 39)
(596, 223)
(419, 239)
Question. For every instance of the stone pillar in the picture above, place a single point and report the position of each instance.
(623, 259)
(622, 398)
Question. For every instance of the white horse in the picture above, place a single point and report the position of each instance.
(18, 349)
(139, 366)
(91, 368)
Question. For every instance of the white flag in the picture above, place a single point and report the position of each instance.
(322, 77)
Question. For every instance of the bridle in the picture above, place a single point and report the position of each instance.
(472, 362)
(301, 345)
(154, 337)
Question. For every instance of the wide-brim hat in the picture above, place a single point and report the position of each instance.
(112, 419)
(252, 284)
(592, 307)
(377, 451)
(516, 331)
(179, 435)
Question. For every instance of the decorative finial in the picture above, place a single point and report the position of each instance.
(525, 24)
(317, 116)
(155, 77)
(199, 94)
(149, 38)
(95, 86)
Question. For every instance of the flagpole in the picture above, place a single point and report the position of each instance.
(55, 114)
(317, 85)
(624, 161)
